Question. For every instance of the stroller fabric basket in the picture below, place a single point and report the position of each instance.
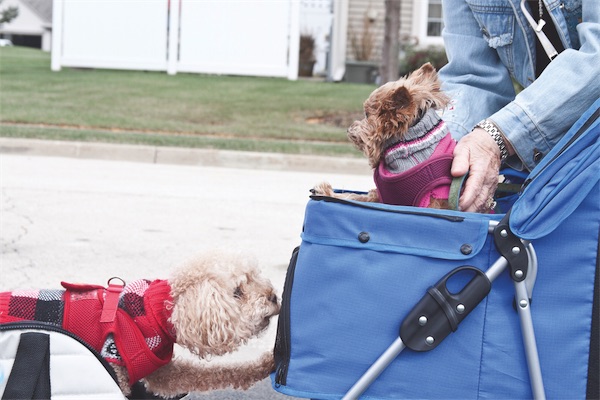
(362, 267)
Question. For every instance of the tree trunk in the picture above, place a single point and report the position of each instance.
(391, 42)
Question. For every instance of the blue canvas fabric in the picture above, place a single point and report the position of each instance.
(348, 298)
(361, 268)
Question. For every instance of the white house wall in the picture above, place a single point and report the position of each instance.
(374, 10)
(26, 23)
(374, 13)
(238, 37)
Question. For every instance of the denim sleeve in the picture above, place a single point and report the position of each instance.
(475, 78)
(478, 77)
(543, 112)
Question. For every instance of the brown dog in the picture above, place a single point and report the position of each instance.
(407, 144)
(210, 306)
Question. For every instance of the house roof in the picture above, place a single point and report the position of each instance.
(42, 8)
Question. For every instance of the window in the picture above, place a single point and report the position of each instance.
(427, 22)
(435, 23)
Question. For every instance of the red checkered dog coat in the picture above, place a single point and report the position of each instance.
(128, 324)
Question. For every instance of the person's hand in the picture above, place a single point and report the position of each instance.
(478, 154)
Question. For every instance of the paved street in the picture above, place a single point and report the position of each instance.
(86, 220)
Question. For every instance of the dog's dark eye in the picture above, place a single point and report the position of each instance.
(238, 293)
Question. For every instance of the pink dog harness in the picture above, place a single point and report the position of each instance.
(417, 185)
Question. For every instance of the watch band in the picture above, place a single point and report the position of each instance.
(494, 132)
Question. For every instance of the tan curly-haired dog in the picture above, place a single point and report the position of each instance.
(406, 143)
(210, 306)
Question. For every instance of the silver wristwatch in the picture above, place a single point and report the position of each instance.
(494, 132)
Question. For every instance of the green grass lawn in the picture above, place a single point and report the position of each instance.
(189, 110)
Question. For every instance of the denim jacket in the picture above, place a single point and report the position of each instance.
(489, 43)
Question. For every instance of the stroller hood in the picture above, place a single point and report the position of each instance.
(561, 181)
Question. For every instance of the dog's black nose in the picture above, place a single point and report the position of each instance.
(273, 298)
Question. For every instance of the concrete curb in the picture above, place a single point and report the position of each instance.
(184, 156)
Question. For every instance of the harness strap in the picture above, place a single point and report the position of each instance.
(455, 189)
(111, 301)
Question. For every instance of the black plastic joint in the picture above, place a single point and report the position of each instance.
(439, 312)
(512, 249)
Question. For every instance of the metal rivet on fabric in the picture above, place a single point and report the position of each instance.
(429, 340)
(466, 249)
(364, 237)
(460, 308)
(537, 155)
(515, 250)
(422, 320)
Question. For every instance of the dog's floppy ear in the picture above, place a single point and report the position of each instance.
(398, 110)
(425, 81)
(400, 98)
(425, 73)
(427, 68)
(205, 318)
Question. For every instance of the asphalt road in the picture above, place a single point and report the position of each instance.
(86, 220)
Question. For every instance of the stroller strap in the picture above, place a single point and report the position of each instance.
(30, 374)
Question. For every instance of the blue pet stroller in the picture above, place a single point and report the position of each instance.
(361, 288)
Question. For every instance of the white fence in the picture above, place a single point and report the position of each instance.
(238, 37)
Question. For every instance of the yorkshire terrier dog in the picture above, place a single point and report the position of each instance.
(407, 144)
(210, 306)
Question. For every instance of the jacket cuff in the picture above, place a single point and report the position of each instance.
(529, 143)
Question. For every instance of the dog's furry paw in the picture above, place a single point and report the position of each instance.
(325, 189)
(266, 363)
(262, 368)
(122, 378)
(322, 189)
(184, 376)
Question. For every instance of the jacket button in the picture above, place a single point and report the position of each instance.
(537, 155)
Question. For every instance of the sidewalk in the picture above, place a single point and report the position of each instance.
(184, 156)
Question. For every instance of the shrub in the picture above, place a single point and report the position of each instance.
(307, 48)
(415, 57)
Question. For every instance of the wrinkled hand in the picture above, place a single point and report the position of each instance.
(478, 154)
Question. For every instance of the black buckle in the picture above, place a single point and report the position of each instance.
(439, 312)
